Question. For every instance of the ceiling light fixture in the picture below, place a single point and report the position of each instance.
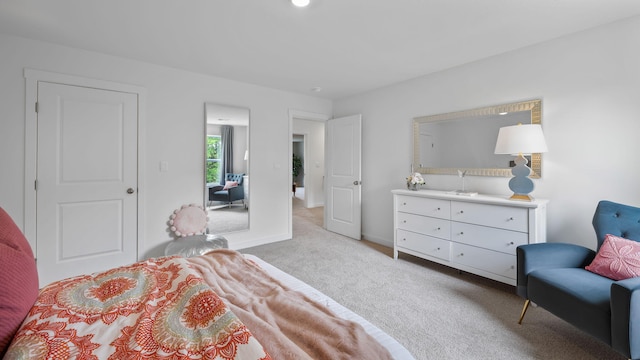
(300, 3)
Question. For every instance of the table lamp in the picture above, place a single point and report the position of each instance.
(521, 140)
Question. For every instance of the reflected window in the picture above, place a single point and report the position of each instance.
(213, 158)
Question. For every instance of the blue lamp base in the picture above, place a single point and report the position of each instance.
(520, 184)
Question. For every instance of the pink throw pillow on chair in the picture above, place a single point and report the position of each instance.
(618, 258)
(230, 184)
(18, 279)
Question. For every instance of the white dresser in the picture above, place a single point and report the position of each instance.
(477, 234)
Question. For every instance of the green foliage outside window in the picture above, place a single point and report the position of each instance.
(213, 159)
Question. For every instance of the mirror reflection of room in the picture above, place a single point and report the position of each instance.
(465, 140)
(227, 168)
(464, 143)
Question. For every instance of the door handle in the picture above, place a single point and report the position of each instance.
(130, 191)
(356, 182)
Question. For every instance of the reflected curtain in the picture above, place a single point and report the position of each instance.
(226, 138)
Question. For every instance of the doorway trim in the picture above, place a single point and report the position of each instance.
(302, 115)
(32, 77)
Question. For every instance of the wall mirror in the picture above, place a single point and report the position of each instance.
(226, 195)
(465, 140)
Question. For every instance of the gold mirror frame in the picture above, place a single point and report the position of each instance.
(534, 106)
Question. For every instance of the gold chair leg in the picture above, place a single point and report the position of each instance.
(524, 311)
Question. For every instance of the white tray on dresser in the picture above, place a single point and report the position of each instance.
(477, 234)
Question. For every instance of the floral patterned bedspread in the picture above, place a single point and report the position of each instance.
(155, 309)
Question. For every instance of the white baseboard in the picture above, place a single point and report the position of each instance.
(243, 244)
(382, 241)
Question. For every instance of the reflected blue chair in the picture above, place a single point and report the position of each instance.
(553, 276)
(228, 196)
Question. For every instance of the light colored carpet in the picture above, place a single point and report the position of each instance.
(434, 311)
(226, 219)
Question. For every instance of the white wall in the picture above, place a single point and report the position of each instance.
(174, 133)
(240, 146)
(591, 104)
(589, 86)
(314, 159)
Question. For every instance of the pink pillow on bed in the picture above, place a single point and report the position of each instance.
(617, 259)
(18, 279)
(230, 184)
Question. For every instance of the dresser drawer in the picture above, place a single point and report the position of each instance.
(476, 234)
(487, 260)
(503, 217)
(496, 239)
(426, 225)
(424, 206)
(423, 244)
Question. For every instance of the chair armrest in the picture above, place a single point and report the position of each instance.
(236, 188)
(213, 189)
(549, 256)
(236, 193)
(625, 317)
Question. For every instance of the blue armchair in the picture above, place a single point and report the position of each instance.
(553, 276)
(228, 196)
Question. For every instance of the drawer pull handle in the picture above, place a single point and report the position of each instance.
(461, 211)
(461, 254)
(461, 232)
(437, 229)
(404, 221)
(511, 243)
(438, 249)
(404, 203)
(438, 209)
(511, 218)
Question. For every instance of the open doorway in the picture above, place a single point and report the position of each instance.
(307, 147)
(297, 166)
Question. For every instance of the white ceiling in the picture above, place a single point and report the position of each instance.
(346, 47)
(217, 114)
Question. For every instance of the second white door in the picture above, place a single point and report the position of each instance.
(343, 213)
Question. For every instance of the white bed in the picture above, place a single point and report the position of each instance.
(394, 347)
(221, 305)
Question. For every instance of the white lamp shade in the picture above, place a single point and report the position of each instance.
(521, 139)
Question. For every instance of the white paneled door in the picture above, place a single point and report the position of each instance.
(343, 213)
(86, 199)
